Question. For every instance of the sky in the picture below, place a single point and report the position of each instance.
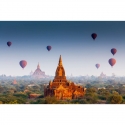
(70, 39)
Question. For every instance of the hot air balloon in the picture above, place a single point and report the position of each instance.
(97, 66)
(113, 51)
(94, 35)
(49, 48)
(23, 63)
(9, 43)
(112, 62)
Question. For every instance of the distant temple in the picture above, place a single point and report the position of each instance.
(102, 75)
(61, 88)
(38, 73)
(14, 82)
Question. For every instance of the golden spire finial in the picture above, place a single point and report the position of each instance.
(38, 66)
(60, 61)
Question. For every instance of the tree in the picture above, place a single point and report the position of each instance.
(115, 98)
(103, 94)
(91, 96)
(51, 100)
(88, 86)
(1, 89)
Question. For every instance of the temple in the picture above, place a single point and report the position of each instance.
(38, 73)
(61, 88)
(102, 75)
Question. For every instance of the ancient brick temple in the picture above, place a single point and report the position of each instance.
(61, 88)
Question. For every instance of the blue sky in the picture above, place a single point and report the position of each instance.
(71, 39)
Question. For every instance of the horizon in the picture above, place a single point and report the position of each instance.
(65, 75)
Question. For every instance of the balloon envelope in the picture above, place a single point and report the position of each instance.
(94, 35)
(9, 43)
(23, 63)
(112, 61)
(49, 48)
(113, 51)
(97, 66)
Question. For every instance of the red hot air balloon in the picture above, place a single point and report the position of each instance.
(112, 62)
(94, 35)
(9, 43)
(23, 63)
(49, 48)
(97, 66)
(113, 51)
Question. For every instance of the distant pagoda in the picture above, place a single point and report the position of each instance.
(102, 75)
(38, 73)
(14, 81)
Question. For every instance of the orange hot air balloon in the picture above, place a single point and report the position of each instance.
(113, 51)
(23, 63)
(112, 62)
(94, 35)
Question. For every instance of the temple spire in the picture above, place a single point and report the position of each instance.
(38, 66)
(60, 61)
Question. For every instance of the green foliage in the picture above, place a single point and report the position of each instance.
(121, 90)
(39, 101)
(103, 94)
(79, 101)
(7, 99)
(115, 99)
(16, 94)
(64, 102)
(21, 95)
(102, 97)
(91, 96)
(10, 99)
(91, 90)
(13, 102)
(123, 96)
(51, 100)
(1, 89)
(88, 86)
